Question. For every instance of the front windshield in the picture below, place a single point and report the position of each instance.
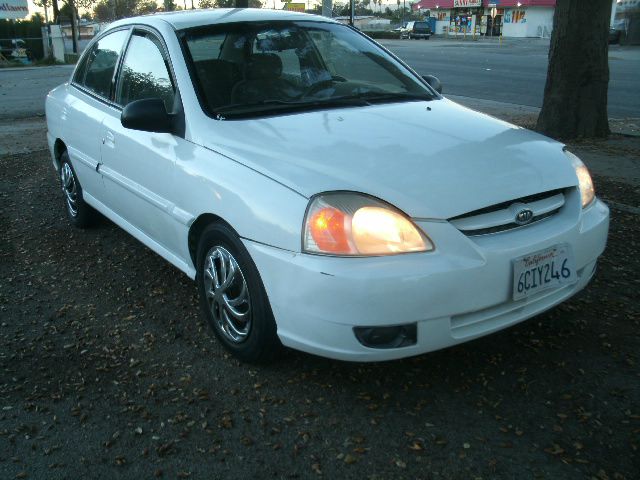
(254, 68)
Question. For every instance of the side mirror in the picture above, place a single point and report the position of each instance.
(433, 82)
(148, 115)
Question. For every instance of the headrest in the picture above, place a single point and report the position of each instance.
(263, 65)
(208, 69)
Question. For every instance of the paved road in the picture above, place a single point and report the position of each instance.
(22, 90)
(514, 72)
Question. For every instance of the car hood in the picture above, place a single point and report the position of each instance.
(430, 159)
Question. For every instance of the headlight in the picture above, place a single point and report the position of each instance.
(354, 224)
(585, 183)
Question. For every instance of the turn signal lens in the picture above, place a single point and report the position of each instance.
(328, 230)
(587, 191)
(355, 224)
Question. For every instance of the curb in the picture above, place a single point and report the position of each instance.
(628, 127)
(22, 69)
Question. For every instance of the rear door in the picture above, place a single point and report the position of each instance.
(88, 102)
(138, 167)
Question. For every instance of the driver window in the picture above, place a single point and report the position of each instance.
(145, 73)
(347, 61)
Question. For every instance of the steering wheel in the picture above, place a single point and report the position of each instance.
(316, 87)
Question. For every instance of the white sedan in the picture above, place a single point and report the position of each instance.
(323, 195)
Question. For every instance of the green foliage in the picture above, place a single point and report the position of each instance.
(102, 12)
(388, 34)
(145, 7)
(109, 10)
(66, 12)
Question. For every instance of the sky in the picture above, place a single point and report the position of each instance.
(266, 3)
(278, 3)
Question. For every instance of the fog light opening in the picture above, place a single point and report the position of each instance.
(397, 336)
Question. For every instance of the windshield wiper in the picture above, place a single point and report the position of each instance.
(274, 106)
(271, 106)
(375, 97)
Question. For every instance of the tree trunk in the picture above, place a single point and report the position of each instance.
(56, 11)
(74, 25)
(575, 96)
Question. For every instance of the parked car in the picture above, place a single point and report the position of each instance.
(416, 30)
(258, 152)
(614, 35)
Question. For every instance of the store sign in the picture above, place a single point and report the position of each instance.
(292, 7)
(13, 8)
(466, 3)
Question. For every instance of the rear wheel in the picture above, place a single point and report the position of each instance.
(79, 213)
(233, 298)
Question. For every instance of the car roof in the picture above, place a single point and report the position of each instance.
(195, 18)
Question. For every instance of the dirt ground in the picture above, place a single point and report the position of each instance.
(107, 371)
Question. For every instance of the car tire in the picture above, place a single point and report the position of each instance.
(79, 213)
(233, 298)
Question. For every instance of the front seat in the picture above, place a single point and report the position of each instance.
(262, 80)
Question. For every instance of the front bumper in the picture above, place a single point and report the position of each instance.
(458, 292)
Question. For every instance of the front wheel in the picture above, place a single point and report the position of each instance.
(233, 298)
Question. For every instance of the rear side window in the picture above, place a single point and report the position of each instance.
(101, 63)
(145, 73)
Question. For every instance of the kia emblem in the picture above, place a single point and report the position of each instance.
(524, 216)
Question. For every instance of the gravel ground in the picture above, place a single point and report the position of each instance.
(106, 370)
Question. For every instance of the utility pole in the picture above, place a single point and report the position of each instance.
(353, 7)
(404, 7)
(327, 8)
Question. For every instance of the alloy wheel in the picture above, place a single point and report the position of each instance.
(70, 189)
(227, 294)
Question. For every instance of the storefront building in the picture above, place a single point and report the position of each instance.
(510, 18)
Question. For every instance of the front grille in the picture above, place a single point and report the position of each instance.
(502, 216)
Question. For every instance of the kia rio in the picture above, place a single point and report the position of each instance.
(322, 195)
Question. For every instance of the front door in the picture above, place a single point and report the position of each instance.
(138, 167)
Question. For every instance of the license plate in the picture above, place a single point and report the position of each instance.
(550, 268)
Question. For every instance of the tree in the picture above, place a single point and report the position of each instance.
(145, 7)
(56, 10)
(42, 4)
(103, 12)
(109, 10)
(575, 95)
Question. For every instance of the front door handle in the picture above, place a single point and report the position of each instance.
(109, 139)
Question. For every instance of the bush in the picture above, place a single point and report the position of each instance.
(384, 34)
(46, 61)
(71, 58)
